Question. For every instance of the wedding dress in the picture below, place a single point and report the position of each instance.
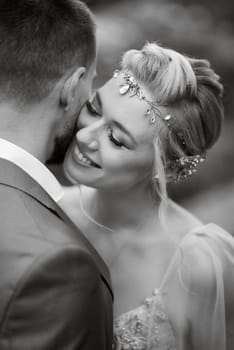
(150, 327)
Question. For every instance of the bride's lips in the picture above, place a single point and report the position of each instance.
(82, 159)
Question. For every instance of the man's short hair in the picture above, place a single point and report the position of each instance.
(41, 41)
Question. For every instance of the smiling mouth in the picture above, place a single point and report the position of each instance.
(83, 159)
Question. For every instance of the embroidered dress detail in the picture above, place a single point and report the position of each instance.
(145, 328)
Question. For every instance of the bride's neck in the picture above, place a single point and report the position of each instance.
(117, 210)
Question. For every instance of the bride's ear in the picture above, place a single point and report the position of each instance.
(70, 86)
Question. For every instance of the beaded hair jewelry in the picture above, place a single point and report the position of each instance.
(184, 166)
(131, 86)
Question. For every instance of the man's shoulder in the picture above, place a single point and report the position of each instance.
(32, 239)
(28, 230)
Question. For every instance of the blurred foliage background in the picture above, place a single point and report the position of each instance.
(199, 28)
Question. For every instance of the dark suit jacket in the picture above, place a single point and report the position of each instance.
(55, 290)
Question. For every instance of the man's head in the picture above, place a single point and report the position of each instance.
(47, 45)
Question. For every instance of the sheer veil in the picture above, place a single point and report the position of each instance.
(198, 286)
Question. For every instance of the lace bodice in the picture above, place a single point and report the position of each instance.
(146, 327)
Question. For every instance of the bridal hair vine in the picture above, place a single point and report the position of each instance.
(184, 166)
(133, 88)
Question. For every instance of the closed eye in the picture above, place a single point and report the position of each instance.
(92, 110)
(113, 139)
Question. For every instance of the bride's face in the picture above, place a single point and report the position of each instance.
(113, 148)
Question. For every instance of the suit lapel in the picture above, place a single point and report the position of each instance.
(13, 176)
(102, 266)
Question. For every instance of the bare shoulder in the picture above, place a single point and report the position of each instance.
(199, 266)
(209, 259)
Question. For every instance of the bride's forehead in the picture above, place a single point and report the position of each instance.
(111, 97)
(129, 111)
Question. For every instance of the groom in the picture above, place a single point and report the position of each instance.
(55, 290)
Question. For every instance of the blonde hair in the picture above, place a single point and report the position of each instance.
(189, 90)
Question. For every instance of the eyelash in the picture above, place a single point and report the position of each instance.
(94, 112)
(91, 109)
(113, 139)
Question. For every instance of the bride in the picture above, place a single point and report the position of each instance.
(173, 276)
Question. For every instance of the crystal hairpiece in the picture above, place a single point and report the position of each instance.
(183, 166)
(133, 88)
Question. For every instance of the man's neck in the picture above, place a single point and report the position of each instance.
(26, 130)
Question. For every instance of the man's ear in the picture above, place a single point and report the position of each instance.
(69, 88)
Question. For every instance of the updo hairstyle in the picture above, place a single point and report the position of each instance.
(189, 90)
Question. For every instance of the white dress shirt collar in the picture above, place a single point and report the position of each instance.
(33, 167)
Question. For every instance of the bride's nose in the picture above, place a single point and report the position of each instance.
(88, 136)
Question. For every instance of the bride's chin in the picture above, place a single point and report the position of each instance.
(70, 178)
(67, 172)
